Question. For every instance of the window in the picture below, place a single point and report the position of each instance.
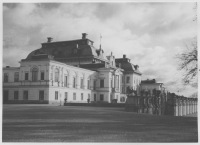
(101, 97)
(95, 97)
(88, 96)
(74, 82)
(94, 84)
(122, 79)
(122, 99)
(56, 95)
(66, 95)
(42, 75)
(56, 75)
(5, 77)
(101, 83)
(51, 76)
(74, 96)
(26, 76)
(65, 81)
(41, 95)
(81, 96)
(127, 88)
(88, 84)
(16, 95)
(128, 79)
(123, 89)
(34, 74)
(25, 95)
(82, 83)
(16, 77)
(117, 82)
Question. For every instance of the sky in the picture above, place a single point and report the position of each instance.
(150, 34)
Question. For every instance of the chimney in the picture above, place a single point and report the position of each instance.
(84, 35)
(124, 56)
(49, 39)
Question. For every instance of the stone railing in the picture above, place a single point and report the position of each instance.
(161, 104)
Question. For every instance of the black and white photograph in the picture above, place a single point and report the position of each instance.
(100, 72)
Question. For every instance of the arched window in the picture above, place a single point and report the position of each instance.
(34, 74)
(56, 75)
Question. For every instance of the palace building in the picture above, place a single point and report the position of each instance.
(74, 70)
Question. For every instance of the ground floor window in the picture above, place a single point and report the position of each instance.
(122, 99)
(41, 95)
(81, 96)
(66, 95)
(25, 95)
(16, 95)
(56, 95)
(74, 96)
(95, 97)
(101, 97)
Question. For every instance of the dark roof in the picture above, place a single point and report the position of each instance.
(127, 66)
(66, 49)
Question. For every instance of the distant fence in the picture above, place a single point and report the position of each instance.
(169, 104)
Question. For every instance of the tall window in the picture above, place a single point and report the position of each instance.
(122, 79)
(66, 95)
(82, 83)
(56, 75)
(88, 84)
(42, 75)
(25, 95)
(74, 96)
(65, 81)
(127, 88)
(56, 95)
(74, 82)
(5, 77)
(26, 76)
(16, 77)
(111, 83)
(117, 82)
(41, 95)
(81, 96)
(101, 83)
(88, 96)
(101, 97)
(127, 79)
(51, 76)
(16, 95)
(34, 74)
(94, 84)
(95, 97)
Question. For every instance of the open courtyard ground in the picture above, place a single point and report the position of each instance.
(43, 123)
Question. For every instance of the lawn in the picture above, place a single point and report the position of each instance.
(42, 123)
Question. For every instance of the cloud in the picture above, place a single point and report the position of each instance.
(150, 34)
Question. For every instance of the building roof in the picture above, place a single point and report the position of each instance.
(127, 66)
(69, 49)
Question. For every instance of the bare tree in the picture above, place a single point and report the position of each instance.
(188, 63)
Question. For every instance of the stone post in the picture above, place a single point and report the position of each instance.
(140, 107)
(176, 106)
(186, 106)
(150, 105)
(190, 106)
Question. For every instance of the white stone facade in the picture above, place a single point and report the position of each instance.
(103, 85)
